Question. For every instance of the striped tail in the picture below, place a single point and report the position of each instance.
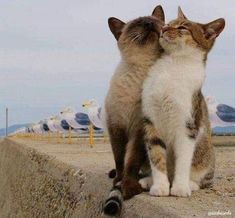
(113, 204)
(112, 173)
(207, 181)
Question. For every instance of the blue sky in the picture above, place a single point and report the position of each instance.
(57, 53)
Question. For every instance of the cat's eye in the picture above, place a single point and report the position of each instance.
(182, 28)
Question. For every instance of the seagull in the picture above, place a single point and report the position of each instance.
(78, 121)
(29, 129)
(94, 113)
(65, 120)
(37, 128)
(221, 115)
(82, 120)
(51, 124)
(65, 125)
(44, 126)
(57, 124)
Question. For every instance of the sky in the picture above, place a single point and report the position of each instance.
(58, 53)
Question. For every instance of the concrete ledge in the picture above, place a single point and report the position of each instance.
(38, 179)
(33, 184)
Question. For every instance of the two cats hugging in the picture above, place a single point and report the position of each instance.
(155, 112)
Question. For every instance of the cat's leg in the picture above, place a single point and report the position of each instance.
(146, 180)
(183, 149)
(134, 159)
(157, 157)
(203, 163)
(118, 140)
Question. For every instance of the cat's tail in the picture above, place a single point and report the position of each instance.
(112, 173)
(113, 204)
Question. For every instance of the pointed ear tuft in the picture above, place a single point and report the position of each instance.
(159, 13)
(214, 28)
(181, 14)
(116, 26)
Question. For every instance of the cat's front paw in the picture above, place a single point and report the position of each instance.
(181, 190)
(130, 187)
(146, 182)
(161, 189)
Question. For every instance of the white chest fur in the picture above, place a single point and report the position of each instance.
(168, 90)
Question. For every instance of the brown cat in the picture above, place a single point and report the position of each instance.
(177, 124)
(138, 44)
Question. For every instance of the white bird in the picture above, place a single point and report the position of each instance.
(51, 124)
(94, 113)
(44, 126)
(57, 124)
(37, 128)
(220, 115)
(65, 119)
(29, 129)
(75, 120)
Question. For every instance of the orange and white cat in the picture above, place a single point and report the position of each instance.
(177, 129)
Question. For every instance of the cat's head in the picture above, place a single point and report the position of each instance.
(182, 35)
(138, 38)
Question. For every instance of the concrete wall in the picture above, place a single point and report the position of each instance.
(37, 185)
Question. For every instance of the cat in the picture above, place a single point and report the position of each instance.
(139, 47)
(177, 128)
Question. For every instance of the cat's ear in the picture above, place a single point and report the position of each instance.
(116, 26)
(159, 13)
(181, 14)
(214, 28)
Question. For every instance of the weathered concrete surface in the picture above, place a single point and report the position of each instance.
(43, 180)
